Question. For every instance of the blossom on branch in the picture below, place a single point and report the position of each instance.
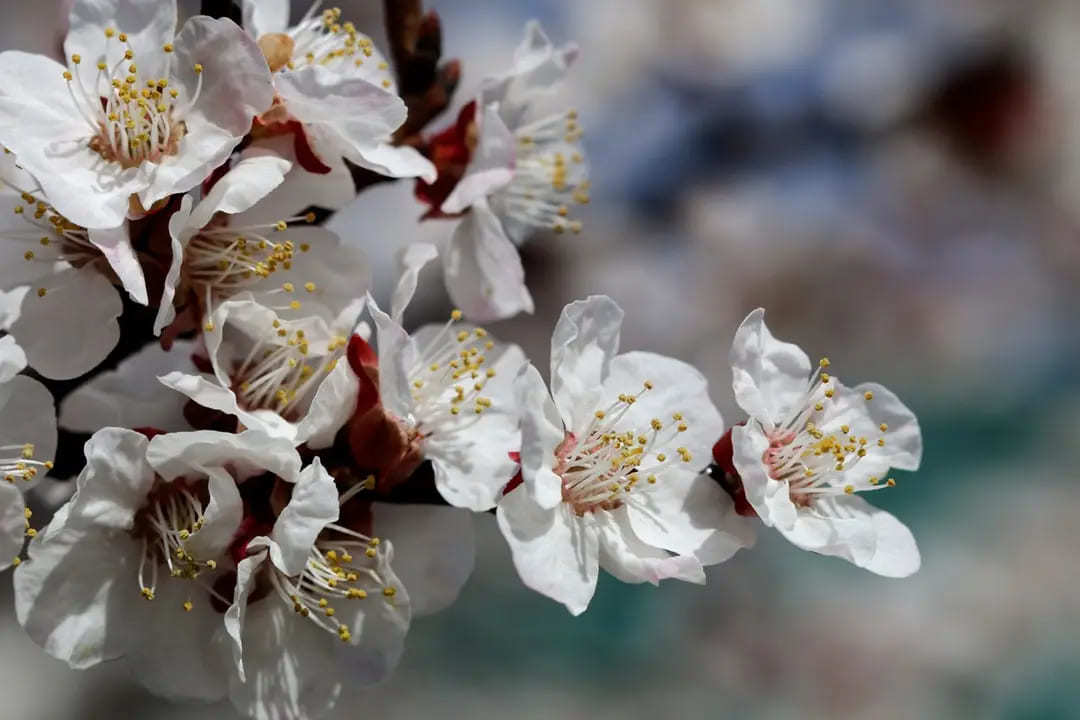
(610, 462)
(812, 445)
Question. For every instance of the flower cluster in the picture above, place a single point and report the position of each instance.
(279, 475)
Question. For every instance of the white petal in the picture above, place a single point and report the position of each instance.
(115, 245)
(181, 231)
(115, 482)
(331, 408)
(313, 505)
(246, 578)
(398, 354)
(771, 499)
(434, 551)
(131, 396)
(266, 16)
(212, 395)
(221, 517)
(73, 327)
(555, 552)
(176, 656)
(246, 454)
(483, 270)
(903, 439)
(896, 553)
(411, 260)
(28, 416)
(491, 166)
(74, 595)
(13, 523)
(246, 183)
(624, 555)
(769, 377)
(538, 67)
(676, 388)
(362, 113)
(12, 358)
(148, 26)
(397, 161)
(583, 344)
(541, 433)
(11, 306)
(301, 189)
(689, 514)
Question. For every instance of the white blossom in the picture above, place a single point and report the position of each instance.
(523, 177)
(129, 566)
(139, 113)
(812, 444)
(610, 462)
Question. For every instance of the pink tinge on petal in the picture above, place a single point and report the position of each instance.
(517, 479)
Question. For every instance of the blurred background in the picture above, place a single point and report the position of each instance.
(897, 183)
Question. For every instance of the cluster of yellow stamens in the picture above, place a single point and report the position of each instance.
(133, 119)
(173, 514)
(223, 260)
(282, 370)
(337, 572)
(323, 39)
(449, 378)
(21, 466)
(601, 468)
(816, 454)
(549, 177)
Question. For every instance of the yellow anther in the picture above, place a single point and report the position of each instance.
(891, 482)
(147, 593)
(67, 76)
(849, 489)
(824, 362)
(869, 395)
(309, 286)
(198, 69)
(389, 591)
(167, 47)
(76, 58)
(109, 32)
(41, 292)
(188, 606)
(884, 427)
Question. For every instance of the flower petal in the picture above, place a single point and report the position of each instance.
(12, 358)
(583, 344)
(313, 505)
(301, 189)
(73, 326)
(483, 270)
(246, 183)
(771, 499)
(115, 245)
(74, 595)
(245, 454)
(28, 417)
(13, 525)
(131, 395)
(266, 16)
(148, 26)
(114, 483)
(333, 405)
(555, 552)
(541, 434)
(411, 260)
(434, 551)
(769, 377)
(491, 166)
(624, 555)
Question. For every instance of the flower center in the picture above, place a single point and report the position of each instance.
(322, 39)
(549, 177)
(132, 118)
(813, 453)
(223, 260)
(601, 467)
(172, 514)
(449, 377)
(17, 462)
(282, 371)
(337, 571)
